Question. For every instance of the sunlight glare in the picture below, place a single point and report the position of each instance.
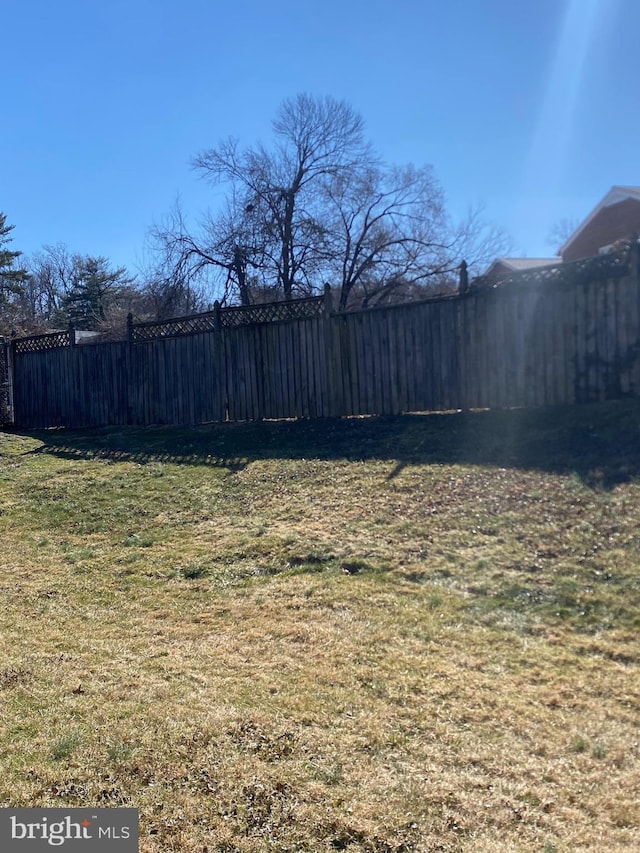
(554, 133)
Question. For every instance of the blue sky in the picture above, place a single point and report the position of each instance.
(528, 107)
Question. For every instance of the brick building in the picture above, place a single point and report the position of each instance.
(615, 218)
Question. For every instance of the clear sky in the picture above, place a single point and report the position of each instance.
(529, 107)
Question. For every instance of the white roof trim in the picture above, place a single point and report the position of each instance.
(522, 263)
(615, 195)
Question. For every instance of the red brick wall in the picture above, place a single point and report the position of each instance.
(616, 222)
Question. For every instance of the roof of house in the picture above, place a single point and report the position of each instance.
(519, 264)
(614, 196)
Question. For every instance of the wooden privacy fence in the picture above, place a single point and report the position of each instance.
(559, 335)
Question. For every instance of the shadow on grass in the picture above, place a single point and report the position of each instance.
(599, 443)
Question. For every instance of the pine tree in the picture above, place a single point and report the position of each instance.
(95, 289)
(11, 276)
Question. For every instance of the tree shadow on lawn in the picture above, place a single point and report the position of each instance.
(599, 443)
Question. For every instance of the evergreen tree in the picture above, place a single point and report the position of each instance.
(95, 289)
(11, 276)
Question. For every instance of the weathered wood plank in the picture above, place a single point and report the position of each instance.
(562, 345)
(482, 395)
(509, 350)
(612, 383)
(545, 365)
(354, 343)
(591, 338)
(421, 362)
(630, 298)
(633, 342)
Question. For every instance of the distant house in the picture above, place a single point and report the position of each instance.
(84, 337)
(613, 221)
(507, 266)
(615, 218)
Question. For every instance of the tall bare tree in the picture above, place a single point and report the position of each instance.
(276, 192)
(317, 206)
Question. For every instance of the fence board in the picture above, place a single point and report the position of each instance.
(630, 298)
(613, 351)
(483, 328)
(546, 354)
(306, 390)
(354, 345)
(420, 359)
(634, 348)
(374, 353)
(434, 356)
(340, 365)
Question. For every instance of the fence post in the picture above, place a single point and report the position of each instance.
(72, 335)
(328, 300)
(6, 382)
(463, 286)
(12, 352)
(130, 327)
(11, 366)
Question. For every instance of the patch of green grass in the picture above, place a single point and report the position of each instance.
(192, 572)
(599, 751)
(137, 540)
(580, 745)
(120, 752)
(63, 747)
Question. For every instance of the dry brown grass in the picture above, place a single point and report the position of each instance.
(270, 640)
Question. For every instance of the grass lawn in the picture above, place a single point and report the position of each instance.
(374, 635)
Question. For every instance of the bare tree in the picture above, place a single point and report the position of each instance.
(389, 231)
(478, 242)
(560, 232)
(276, 193)
(187, 268)
(52, 273)
(318, 206)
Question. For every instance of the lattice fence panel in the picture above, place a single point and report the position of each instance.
(174, 328)
(38, 343)
(241, 315)
(298, 309)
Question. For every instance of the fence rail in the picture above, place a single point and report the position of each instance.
(563, 335)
